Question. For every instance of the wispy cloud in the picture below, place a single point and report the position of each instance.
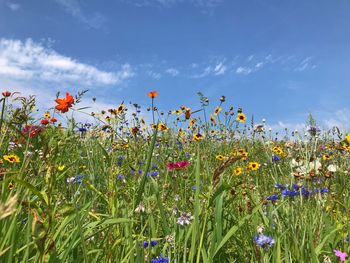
(73, 8)
(13, 6)
(215, 69)
(172, 71)
(29, 60)
(206, 6)
(305, 64)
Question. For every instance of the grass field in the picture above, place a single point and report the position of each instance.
(195, 185)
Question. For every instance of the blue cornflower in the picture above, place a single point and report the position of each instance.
(145, 244)
(272, 198)
(121, 177)
(275, 158)
(154, 243)
(280, 186)
(160, 259)
(264, 241)
(82, 129)
(290, 193)
(139, 171)
(305, 192)
(154, 166)
(132, 171)
(154, 173)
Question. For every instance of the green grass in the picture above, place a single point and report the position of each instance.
(126, 194)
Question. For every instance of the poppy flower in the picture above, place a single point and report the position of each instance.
(44, 121)
(6, 94)
(64, 104)
(53, 120)
(152, 94)
(178, 165)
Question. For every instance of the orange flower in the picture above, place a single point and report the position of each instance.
(153, 94)
(64, 104)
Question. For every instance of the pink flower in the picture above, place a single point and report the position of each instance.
(341, 255)
(178, 165)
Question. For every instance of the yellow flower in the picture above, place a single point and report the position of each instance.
(217, 110)
(191, 122)
(162, 127)
(277, 150)
(120, 108)
(178, 112)
(220, 157)
(47, 115)
(12, 158)
(61, 168)
(348, 138)
(212, 119)
(253, 166)
(326, 157)
(238, 170)
(198, 136)
(241, 117)
(11, 185)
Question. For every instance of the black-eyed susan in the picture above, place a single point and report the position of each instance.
(277, 150)
(162, 127)
(178, 112)
(241, 117)
(153, 126)
(12, 158)
(191, 122)
(198, 136)
(237, 171)
(326, 157)
(222, 98)
(212, 119)
(120, 109)
(47, 115)
(11, 185)
(217, 110)
(253, 166)
(220, 157)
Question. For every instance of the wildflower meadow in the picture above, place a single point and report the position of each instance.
(191, 184)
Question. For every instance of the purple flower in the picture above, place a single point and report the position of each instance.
(160, 259)
(264, 241)
(341, 255)
(272, 198)
(154, 243)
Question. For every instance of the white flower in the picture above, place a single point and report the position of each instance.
(185, 219)
(332, 168)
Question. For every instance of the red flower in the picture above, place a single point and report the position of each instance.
(64, 104)
(178, 165)
(44, 121)
(30, 130)
(53, 120)
(6, 93)
(153, 94)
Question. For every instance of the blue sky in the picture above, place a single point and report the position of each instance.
(277, 59)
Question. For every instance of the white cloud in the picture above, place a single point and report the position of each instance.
(154, 75)
(32, 61)
(73, 8)
(172, 71)
(219, 69)
(243, 70)
(339, 118)
(13, 6)
(204, 5)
